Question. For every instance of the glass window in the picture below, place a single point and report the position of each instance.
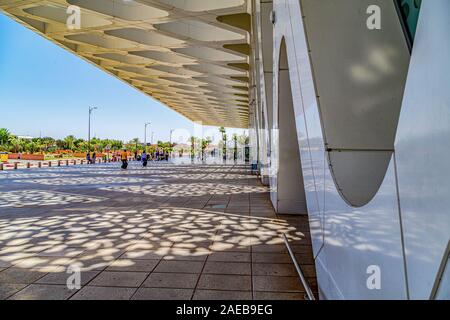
(409, 12)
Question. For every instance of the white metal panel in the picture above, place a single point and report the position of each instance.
(359, 77)
(423, 149)
(354, 238)
(311, 189)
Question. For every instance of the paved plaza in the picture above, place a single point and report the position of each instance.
(164, 232)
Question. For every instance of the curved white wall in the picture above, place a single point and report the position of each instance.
(346, 240)
(405, 227)
(423, 149)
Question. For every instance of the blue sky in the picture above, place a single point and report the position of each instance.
(45, 90)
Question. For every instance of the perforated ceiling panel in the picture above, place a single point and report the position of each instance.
(191, 55)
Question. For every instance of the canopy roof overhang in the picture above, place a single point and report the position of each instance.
(192, 55)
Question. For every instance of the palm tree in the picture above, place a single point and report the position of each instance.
(193, 139)
(23, 145)
(224, 139)
(46, 143)
(31, 146)
(60, 144)
(79, 145)
(243, 140)
(116, 145)
(14, 144)
(69, 142)
(133, 145)
(205, 143)
(235, 151)
(4, 136)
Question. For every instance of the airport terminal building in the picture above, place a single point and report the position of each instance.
(347, 102)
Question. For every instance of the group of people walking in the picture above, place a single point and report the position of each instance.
(91, 159)
(144, 157)
(124, 157)
(155, 156)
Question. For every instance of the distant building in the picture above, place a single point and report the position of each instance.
(25, 137)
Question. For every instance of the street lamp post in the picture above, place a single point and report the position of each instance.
(145, 136)
(89, 128)
(171, 131)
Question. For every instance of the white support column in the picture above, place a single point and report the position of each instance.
(262, 58)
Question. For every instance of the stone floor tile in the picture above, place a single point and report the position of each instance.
(258, 257)
(44, 264)
(119, 279)
(19, 276)
(224, 282)
(219, 246)
(179, 266)
(239, 268)
(93, 264)
(274, 269)
(62, 277)
(186, 257)
(309, 270)
(277, 284)
(230, 256)
(222, 295)
(304, 259)
(259, 295)
(270, 248)
(142, 255)
(8, 289)
(171, 280)
(61, 251)
(133, 265)
(104, 293)
(162, 294)
(43, 292)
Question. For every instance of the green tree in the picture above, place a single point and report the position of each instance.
(243, 140)
(60, 144)
(193, 140)
(204, 144)
(4, 136)
(167, 147)
(69, 143)
(32, 146)
(79, 145)
(116, 145)
(235, 150)
(46, 144)
(14, 144)
(224, 142)
(5, 139)
(134, 145)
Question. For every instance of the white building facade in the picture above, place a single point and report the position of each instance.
(347, 102)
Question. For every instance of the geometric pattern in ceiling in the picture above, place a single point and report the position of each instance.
(192, 55)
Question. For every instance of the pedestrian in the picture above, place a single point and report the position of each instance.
(94, 157)
(88, 157)
(144, 159)
(124, 158)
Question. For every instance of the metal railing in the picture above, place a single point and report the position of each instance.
(42, 164)
(309, 293)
